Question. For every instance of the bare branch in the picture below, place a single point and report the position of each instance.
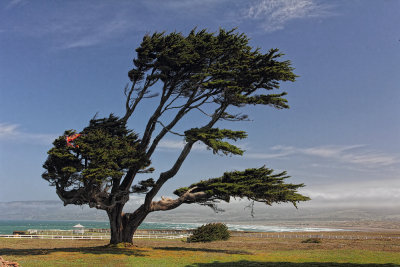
(154, 118)
(167, 107)
(130, 107)
(168, 203)
(152, 95)
(202, 111)
(126, 89)
(169, 129)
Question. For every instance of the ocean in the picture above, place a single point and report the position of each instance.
(8, 226)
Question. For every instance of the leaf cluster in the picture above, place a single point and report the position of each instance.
(257, 184)
(99, 158)
(143, 186)
(220, 65)
(212, 138)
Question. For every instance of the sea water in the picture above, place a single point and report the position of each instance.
(8, 226)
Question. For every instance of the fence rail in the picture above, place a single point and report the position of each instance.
(179, 236)
(84, 237)
(90, 237)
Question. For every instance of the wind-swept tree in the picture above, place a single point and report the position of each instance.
(213, 74)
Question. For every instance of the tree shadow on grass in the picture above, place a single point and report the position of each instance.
(85, 250)
(226, 251)
(287, 264)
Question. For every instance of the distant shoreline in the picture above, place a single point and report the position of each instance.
(270, 226)
(350, 225)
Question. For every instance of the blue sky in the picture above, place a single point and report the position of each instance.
(63, 61)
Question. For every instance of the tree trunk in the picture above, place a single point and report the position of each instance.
(123, 226)
(116, 224)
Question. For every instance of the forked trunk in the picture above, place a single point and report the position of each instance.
(123, 226)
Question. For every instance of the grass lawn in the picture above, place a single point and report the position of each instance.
(238, 251)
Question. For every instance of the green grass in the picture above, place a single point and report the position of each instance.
(234, 252)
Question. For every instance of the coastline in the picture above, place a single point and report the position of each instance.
(348, 225)
(270, 226)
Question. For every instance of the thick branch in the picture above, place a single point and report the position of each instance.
(154, 118)
(165, 176)
(169, 204)
(130, 176)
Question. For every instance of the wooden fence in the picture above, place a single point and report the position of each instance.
(177, 235)
(92, 237)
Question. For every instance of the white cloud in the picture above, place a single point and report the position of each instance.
(171, 144)
(11, 132)
(354, 154)
(198, 146)
(275, 14)
(7, 130)
(178, 145)
(376, 192)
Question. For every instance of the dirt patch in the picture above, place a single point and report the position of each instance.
(4, 263)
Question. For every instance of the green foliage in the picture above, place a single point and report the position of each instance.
(212, 138)
(98, 158)
(210, 232)
(143, 186)
(257, 184)
(222, 65)
(312, 240)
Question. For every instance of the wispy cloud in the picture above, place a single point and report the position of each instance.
(11, 132)
(89, 36)
(354, 154)
(188, 5)
(275, 14)
(89, 24)
(78, 26)
(252, 155)
(15, 3)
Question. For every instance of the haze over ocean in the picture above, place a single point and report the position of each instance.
(8, 226)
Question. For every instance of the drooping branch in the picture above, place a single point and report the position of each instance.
(257, 184)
